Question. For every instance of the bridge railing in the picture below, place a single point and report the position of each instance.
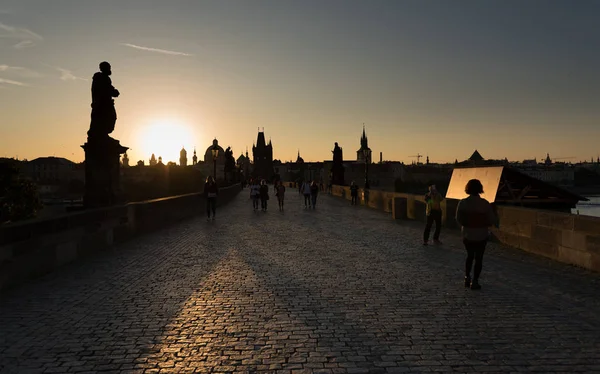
(569, 238)
(29, 249)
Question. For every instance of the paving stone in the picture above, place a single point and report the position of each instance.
(339, 289)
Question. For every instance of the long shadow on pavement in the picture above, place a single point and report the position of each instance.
(107, 312)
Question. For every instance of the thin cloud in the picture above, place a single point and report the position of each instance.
(157, 50)
(20, 71)
(24, 44)
(11, 82)
(26, 38)
(67, 75)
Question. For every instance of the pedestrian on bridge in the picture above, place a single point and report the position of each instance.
(476, 215)
(254, 193)
(314, 192)
(305, 190)
(264, 195)
(211, 191)
(433, 200)
(354, 193)
(280, 193)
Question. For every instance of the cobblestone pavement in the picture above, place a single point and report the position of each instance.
(340, 289)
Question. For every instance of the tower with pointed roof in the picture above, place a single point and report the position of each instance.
(364, 146)
(195, 158)
(153, 160)
(262, 154)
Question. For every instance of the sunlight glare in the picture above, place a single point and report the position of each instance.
(165, 138)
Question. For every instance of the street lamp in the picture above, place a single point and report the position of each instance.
(215, 154)
(366, 154)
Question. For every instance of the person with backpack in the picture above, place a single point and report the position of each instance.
(211, 191)
(475, 215)
(314, 192)
(305, 190)
(264, 195)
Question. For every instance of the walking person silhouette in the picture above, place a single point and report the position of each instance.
(433, 200)
(476, 215)
(264, 195)
(211, 191)
(280, 193)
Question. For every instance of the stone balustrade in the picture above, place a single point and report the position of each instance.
(564, 237)
(32, 248)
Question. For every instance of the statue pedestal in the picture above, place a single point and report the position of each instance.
(102, 171)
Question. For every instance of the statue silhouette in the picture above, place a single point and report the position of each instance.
(102, 153)
(337, 170)
(104, 114)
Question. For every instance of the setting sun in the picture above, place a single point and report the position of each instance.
(165, 138)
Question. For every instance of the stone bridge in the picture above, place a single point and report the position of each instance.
(339, 289)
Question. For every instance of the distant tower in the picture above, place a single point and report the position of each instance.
(364, 145)
(160, 160)
(125, 160)
(427, 160)
(263, 157)
(195, 158)
(247, 164)
(153, 160)
(548, 160)
(183, 157)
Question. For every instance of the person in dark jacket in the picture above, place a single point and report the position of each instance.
(475, 215)
(280, 193)
(211, 191)
(354, 193)
(314, 192)
(264, 195)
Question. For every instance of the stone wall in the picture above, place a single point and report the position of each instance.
(568, 238)
(31, 249)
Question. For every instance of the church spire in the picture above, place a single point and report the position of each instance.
(364, 142)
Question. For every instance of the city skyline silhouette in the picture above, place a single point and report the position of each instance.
(509, 79)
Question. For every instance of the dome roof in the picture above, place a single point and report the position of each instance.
(208, 157)
(215, 143)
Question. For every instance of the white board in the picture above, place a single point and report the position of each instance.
(488, 176)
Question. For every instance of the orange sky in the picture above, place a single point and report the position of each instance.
(438, 81)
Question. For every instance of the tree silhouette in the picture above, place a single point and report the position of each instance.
(18, 197)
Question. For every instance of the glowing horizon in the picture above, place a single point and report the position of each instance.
(436, 80)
